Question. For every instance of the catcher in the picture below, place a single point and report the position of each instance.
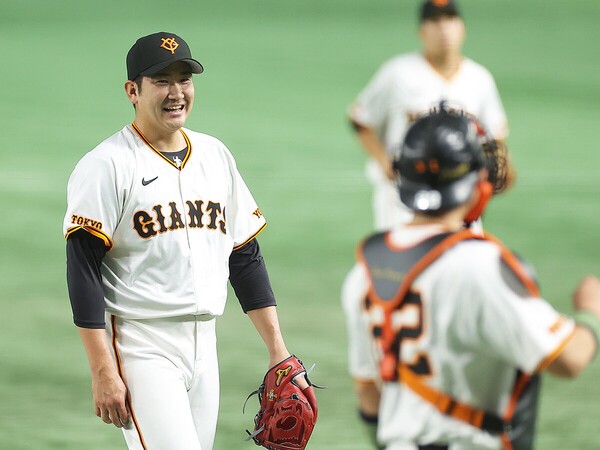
(288, 407)
(451, 335)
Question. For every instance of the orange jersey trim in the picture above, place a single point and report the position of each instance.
(99, 234)
(153, 148)
(557, 351)
(237, 247)
(113, 321)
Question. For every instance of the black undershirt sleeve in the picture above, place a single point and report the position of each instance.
(249, 278)
(84, 279)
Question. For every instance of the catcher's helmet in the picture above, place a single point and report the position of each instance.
(440, 161)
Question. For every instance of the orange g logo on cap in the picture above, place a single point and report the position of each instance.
(169, 44)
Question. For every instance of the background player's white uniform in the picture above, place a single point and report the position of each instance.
(171, 227)
(407, 86)
(477, 331)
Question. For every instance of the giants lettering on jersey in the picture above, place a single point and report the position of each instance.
(169, 218)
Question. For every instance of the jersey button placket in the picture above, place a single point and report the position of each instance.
(192, 263)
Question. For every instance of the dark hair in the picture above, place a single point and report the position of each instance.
(138, 82)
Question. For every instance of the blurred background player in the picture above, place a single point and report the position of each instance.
(451, 335)
(407, 86)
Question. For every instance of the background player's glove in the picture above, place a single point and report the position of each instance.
(501, 172)
(287, 414)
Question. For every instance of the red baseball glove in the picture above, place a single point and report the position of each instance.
(287, 414)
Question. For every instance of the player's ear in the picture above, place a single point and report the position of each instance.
(132, 91)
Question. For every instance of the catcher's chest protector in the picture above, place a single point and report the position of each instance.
(391, 272)
(388, 268)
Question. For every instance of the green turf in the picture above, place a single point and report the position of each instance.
(279, 76)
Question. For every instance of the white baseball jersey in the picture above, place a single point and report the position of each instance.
(405, 87)
(470, 331)
(170, 226)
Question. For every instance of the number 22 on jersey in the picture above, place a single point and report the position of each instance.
(399, 334)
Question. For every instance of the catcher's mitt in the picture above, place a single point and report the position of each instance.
(501, 172)
(287, 414)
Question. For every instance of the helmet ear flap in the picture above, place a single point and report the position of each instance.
(485, 189)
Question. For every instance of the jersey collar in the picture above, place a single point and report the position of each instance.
(155, 150)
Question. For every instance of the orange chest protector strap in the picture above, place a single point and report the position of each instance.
(444, 403)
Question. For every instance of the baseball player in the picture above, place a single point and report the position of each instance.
(452, 335)
(158, 219)
(409, 85)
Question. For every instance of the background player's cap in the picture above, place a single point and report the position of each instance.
(150, 54)
(432, 9)
(440, 161)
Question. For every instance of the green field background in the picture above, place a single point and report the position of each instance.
(279, 77)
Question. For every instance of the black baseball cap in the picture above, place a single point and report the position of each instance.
(432, 9)
(151, 54)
